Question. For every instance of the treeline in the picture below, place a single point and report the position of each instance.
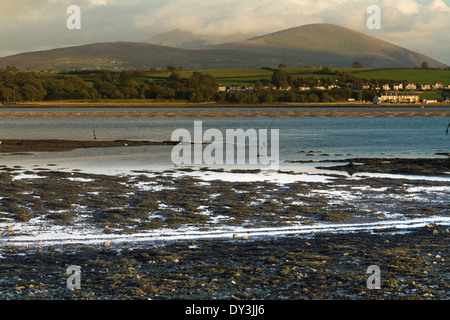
(16, 86)
(294, 95)
(31, 86)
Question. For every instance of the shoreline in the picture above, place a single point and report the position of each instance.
(432, 166)
(236, 113)
(11, 146)
(153, 104)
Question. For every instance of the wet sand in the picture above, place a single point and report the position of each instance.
(416, 166)
(30, 145)
(238, 113)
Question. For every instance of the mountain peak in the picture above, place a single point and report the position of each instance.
(188, 40)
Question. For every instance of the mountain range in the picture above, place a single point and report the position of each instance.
(188, 40)
(314, 44)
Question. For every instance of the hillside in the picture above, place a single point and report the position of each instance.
(332, 45)
(317, 44)
(133, 55)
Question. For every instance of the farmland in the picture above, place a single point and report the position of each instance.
(250, 76)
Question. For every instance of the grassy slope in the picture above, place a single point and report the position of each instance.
(429, 76)
(248, 76)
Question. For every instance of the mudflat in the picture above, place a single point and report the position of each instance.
(237, 113)
(30, 145)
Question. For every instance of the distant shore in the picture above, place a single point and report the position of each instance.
(184, 104)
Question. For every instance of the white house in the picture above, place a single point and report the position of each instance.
(399, 97)
(411, 86)
(235, 88)
(397, 86)
(425, 87)
(222, 88)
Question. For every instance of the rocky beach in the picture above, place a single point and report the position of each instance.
(177, 235)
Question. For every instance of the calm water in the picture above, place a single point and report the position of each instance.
(329, 138)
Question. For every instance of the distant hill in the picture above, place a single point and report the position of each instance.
(332, 45)
(316, 44)
(189, 40)
(133, 55)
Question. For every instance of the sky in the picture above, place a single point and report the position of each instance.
(29, 25)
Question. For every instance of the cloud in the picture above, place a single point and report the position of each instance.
(419, 25)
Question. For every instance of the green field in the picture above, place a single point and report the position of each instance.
(249, 76)
(420, 76)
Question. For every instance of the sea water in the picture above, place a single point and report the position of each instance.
(301, 138)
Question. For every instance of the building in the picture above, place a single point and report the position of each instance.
(386, 87)
(235, 88)
(430, 101)
(411, 86)
(438, 86)
(397, 86)
(425, 87)
(399, 97)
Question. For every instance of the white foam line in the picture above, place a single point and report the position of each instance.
(186, 234)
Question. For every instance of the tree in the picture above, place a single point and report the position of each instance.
(205, 84)
(6, 94)
(424, 65)
(281, 79)
(358, 64)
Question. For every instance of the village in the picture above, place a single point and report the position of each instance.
(386, 93)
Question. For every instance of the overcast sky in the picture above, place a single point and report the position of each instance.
(28, 25)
